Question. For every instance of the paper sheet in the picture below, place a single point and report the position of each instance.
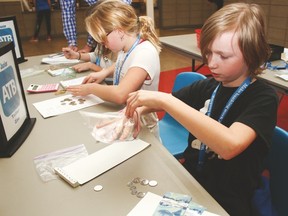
(76, 81)
(59, 60)
(65, 104)
(147, 205)
(95, 164)
(30, 72)
(283, 76)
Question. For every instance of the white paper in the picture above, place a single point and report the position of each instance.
(65, 104)
(148, 204)
(30, 72)
(284, 55)
(76, 81)
(283, 76)
(45, 163)
(59, 60)
(85, 169)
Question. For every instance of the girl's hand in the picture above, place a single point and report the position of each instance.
(80, 90)
(95, 77)
(82, 67)
(69, 53)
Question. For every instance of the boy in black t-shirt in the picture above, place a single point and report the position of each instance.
(231, 116)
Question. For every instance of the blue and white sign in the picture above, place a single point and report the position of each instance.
(12, 108)
(8, 33)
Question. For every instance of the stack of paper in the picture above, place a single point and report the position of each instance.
(85, 169)
(59, 60)
(76, 81)
(65, 104)
(283, 76)
(148, 205)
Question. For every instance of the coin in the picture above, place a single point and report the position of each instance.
(140, 194)
(98, 188)
(136, 180)
(133, 187)
(144, 182)
(153, 183)
(129, 184)
(133, 192)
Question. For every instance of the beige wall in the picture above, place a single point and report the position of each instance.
(172, 13)
(9, 0)
(26, 20)
(185, 13)
(277, 19)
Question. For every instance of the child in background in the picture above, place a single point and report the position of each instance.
(43, 10)
(230, 117)
(94, 61)
(115, 25)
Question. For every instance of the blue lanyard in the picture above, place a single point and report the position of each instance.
(118, 68)
(228, 105)
(98, 59)
(99, 54)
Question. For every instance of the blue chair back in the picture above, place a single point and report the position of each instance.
(277, 165)
(271, 198)
(173, 135)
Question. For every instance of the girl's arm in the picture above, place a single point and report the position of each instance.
(71, 54)
(118, 94)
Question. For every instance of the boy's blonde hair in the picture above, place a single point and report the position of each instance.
(248, 22)
(108, 15)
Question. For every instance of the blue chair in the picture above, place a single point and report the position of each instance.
(271, 199)
(173, 135)
(277, 165)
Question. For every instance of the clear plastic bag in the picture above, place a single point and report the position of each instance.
(112, 126)
(46, 163)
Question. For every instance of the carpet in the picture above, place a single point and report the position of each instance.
(167, 80)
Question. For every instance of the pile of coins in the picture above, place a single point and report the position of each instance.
(133, 189)
(72, 101)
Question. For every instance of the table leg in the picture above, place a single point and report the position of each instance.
(193, 66)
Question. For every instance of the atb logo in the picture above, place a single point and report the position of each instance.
(10, 99)
(6, 35)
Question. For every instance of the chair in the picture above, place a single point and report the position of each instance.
(173, 135)
(277, 165)
(271, 198)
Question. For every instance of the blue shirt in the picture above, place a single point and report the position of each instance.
(42, 5)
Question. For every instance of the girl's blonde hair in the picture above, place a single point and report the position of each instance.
(248, 22)
(108, 15)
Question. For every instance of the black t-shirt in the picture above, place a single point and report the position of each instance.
(232, 182)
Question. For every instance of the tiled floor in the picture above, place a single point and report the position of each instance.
(169, 60)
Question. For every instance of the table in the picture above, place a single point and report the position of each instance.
(279, 84)
(187, 45)
(24, 193)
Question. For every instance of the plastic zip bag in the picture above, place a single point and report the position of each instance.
(112, 126)
(45, 163)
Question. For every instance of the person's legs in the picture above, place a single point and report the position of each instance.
(91, 44)
(47, 14)
(69, 22)
(39, 17)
